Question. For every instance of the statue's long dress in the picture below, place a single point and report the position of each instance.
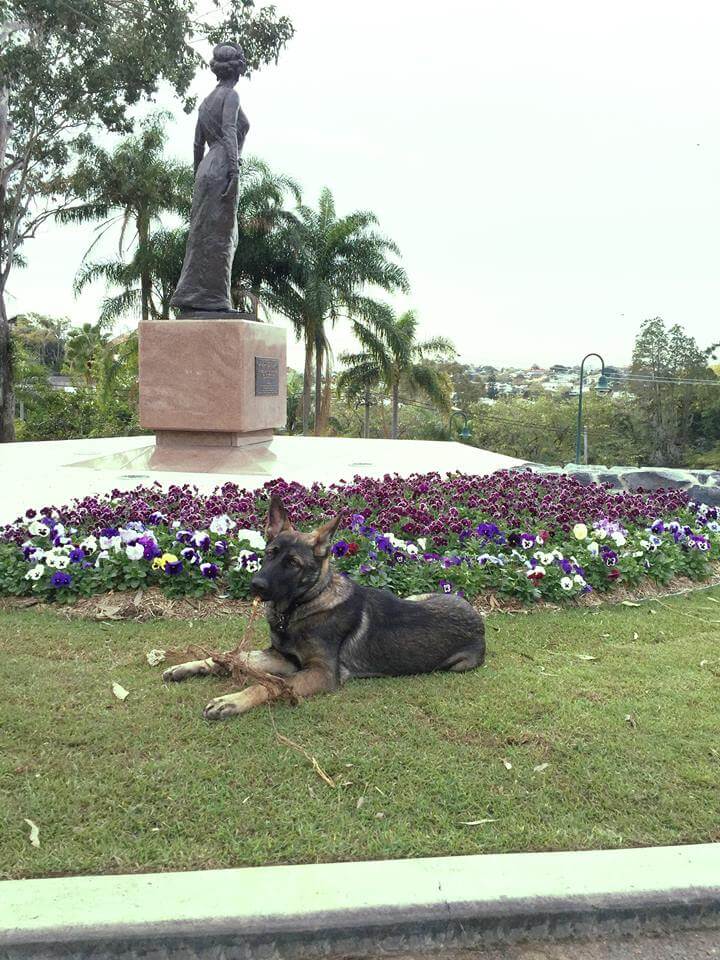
(205, 280)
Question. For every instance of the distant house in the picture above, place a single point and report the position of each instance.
(59, 381)
(56, 381)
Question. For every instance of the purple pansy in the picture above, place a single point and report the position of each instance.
(339, 548)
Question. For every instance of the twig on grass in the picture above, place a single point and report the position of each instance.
(286, 741)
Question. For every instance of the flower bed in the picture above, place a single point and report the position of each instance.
(524, 535)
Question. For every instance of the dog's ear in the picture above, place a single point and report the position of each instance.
(277, 519)
(323, 536)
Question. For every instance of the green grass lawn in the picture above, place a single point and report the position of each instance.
(630, 740)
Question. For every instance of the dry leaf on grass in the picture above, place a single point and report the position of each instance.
(34, 833)
(477, 823)
(628, 603)
(507, 764)
(155, 657)
(120, 692)
(631, 720)
(585, 656)
(540, 767)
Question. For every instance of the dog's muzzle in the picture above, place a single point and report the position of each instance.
(259, 587)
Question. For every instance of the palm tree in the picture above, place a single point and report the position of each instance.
(265, 251)
(135, 183)
(405, 364)
(161, 259)
(84, 345)
(336, 260)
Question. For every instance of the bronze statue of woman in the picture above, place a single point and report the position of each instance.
(204, 286)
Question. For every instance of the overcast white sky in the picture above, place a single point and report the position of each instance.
(550, 170)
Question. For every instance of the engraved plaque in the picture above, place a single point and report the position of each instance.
(267, 377)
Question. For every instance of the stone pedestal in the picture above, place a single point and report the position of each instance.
(213, 390)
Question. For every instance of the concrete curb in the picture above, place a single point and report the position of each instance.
(362, 908)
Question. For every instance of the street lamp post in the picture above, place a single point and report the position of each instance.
(465, 433)
(601, 383)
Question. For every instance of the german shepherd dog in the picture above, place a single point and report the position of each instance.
(326, 629)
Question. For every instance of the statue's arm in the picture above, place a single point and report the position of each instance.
(198, 146)
(231, 106)
(243, 125)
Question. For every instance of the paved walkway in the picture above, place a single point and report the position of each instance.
(53, 472)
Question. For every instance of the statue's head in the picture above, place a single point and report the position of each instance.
(228, 61)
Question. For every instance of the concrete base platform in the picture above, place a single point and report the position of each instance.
(55, 472)
(362, 909)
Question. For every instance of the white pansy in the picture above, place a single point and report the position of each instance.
(593, 548)
(411, 549)
(557, 554)
(255, 539)
(89, 544)
(580, 531)
(128, 535)
(600, 534)
(38, 529)
(580, 581)
(103, 555)
(34, 573)
(58, 530)
(252, 566)
(111, 543)
(135, 551)
(57, 560)
(566, 583)
(638, 553)
(422, 543)
(175, 524)
(223, 524)
(619, 538)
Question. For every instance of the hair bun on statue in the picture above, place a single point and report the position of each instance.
(228, 60)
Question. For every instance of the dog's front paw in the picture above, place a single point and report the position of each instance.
(176, 674)
(222, 707)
